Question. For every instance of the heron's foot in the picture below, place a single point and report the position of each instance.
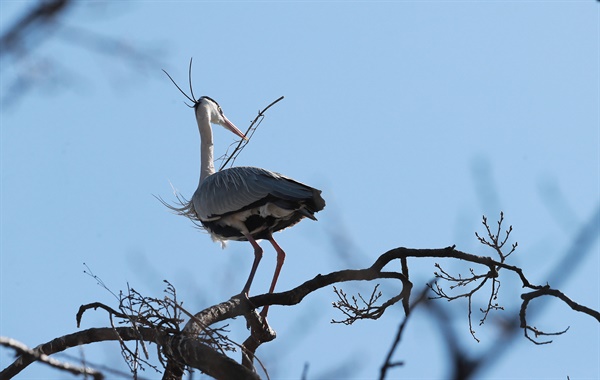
(245, 291)
(263, 316)
(244, 295)
(258, 322)
(251, 310)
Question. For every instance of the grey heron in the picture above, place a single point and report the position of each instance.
(245, 203)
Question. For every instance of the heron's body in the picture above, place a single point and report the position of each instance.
(256, 199)
(245, 203)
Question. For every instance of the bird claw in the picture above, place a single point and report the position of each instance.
(244, 295)
(257, 321)
(258, 324)
(263, 314)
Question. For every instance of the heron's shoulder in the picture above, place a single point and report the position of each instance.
(248, 171)
(237, 178)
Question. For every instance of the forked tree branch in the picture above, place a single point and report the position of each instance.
(186, 349)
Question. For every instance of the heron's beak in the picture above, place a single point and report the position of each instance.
(229, 125)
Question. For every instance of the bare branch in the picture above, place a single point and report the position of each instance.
(189, 350)
(479, 280)
(198, 345)
(26, 351)
(547, 291)
(355, 312)
(541, 333)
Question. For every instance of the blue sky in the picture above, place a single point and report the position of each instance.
(414, 118)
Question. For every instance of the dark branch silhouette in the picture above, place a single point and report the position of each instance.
(201, 346)
(33, 68)
(31, 23)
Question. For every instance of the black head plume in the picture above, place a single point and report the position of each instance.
(190, 97)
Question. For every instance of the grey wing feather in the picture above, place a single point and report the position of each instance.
(234, 189)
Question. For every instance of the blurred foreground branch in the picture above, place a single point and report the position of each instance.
(27, 65)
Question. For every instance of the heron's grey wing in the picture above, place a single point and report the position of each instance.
(238, 188)
(288, 193)
(229, 191)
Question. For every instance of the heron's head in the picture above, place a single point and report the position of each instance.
(208, 108)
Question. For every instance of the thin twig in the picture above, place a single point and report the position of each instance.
(249, 133)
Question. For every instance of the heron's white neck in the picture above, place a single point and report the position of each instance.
(207, 165)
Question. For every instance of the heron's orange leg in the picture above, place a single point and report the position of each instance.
(258, 252)
(280, 259)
